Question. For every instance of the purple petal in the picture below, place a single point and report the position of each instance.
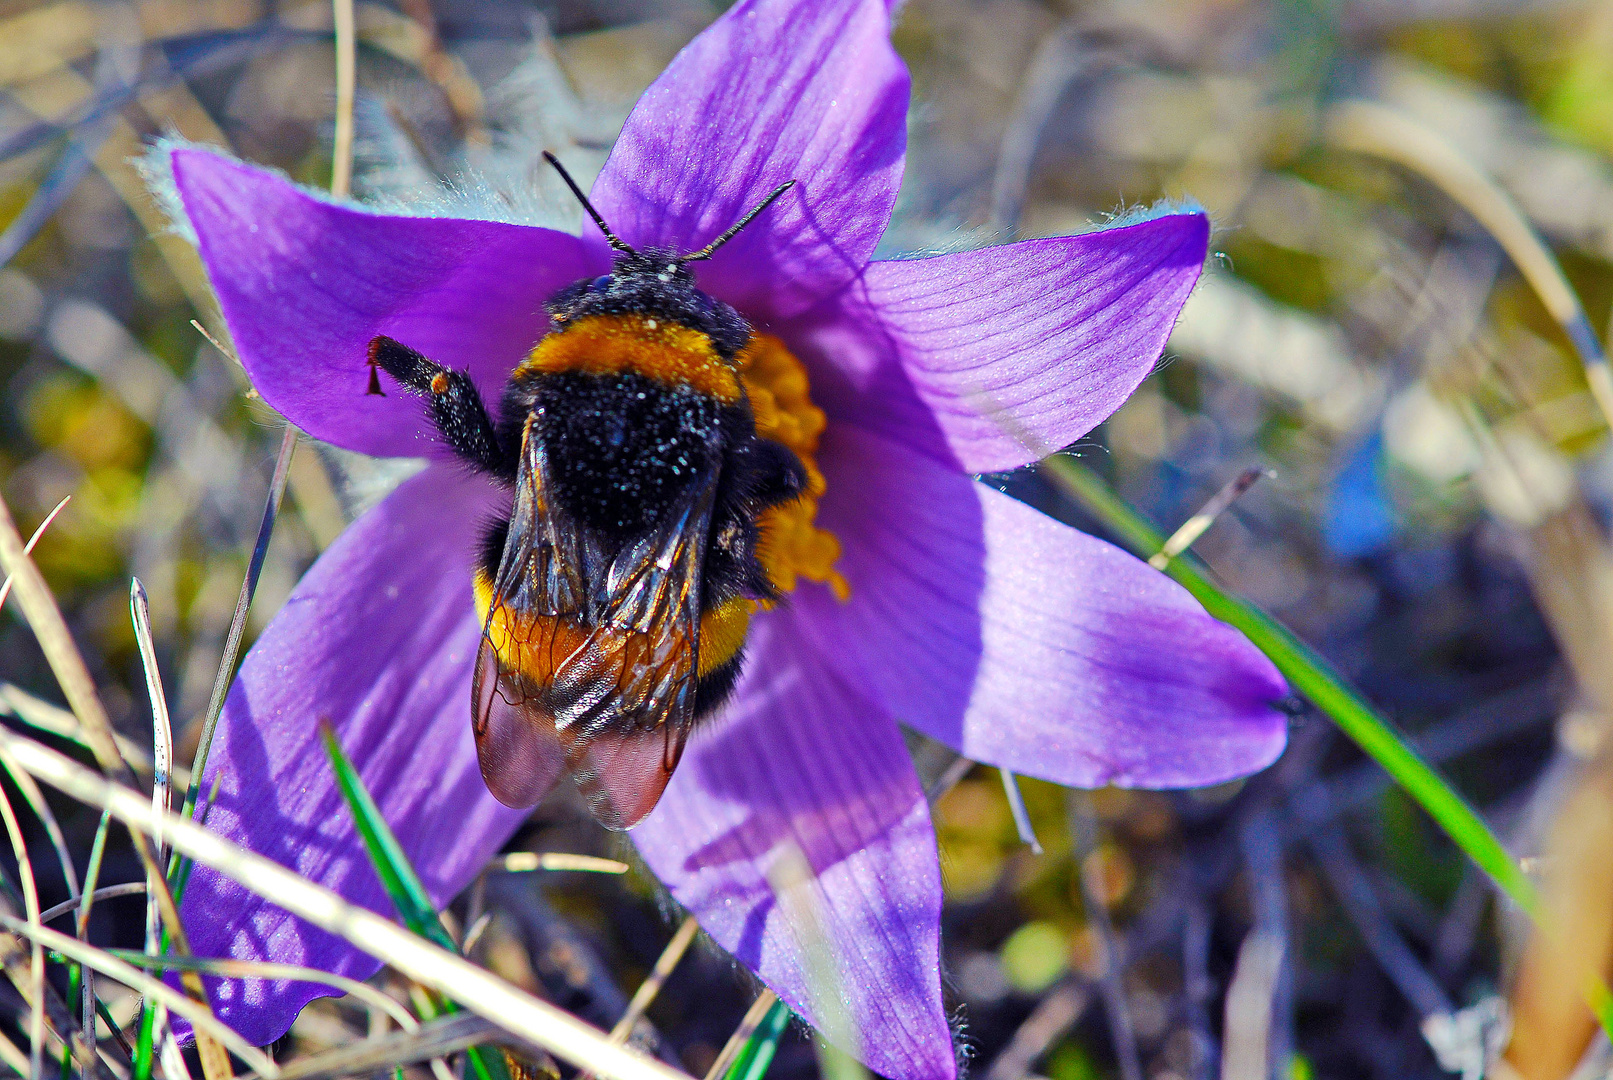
(379, 638)
(1024, 643)
(1014, 351)
(801, 758)
(305, 284)
(805, 90)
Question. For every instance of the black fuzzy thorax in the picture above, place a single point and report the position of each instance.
(652, 282)
(624, 449)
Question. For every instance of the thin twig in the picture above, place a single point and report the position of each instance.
(651, 986)
(1388, 948)
(517, 1012)
(1053, 1016)
(111, 892)
(1093, 896)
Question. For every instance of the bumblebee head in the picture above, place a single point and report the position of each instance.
(654, 281)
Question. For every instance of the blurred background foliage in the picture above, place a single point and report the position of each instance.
(1435, 521)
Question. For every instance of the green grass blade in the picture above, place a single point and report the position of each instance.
(397, 874)
(1315, 678)
(143, 1049)
(757, 1053)
(402, 884)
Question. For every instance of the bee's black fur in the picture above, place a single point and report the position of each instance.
(653, 282)
(715, 685)
(622, 447)
(625, 446)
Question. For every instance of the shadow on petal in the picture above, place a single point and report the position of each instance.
(379, 638)
(804, 759)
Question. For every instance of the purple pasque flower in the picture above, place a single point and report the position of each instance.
(971, 617)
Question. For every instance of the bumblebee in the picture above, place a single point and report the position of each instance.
(616, 594)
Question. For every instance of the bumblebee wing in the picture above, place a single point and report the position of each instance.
(548, 558)
(516, 744)
(624, 700)
(613, 645)
(541, 579)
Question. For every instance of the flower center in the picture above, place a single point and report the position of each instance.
(792, 546)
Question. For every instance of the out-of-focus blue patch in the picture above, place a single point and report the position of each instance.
(1357, 518)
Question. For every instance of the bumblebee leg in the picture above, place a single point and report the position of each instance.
(456, 406)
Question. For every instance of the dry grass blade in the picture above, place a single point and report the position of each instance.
(658, 975)
(162, 730)
(431, 1040)
(1052, 1017)
(1022, 815)
(956, 771)
(346, 82)
(47, 818)
(154, 990)
(47, 717)
(28, 548)
(172, 1058)
(517, 1012)
(1095, 901)
(12, 1055)
(162, 756)
(651, 986)
(243, 604)
(796, 886)
(1367, 128)
(45, 619)
(132, 888)
(521, 861)
(1195, 526)
(30, 899)
(255, 969)
(736, 1042)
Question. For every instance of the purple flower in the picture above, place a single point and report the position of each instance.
(970, 617)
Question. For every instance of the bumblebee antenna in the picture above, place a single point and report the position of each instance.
(616, 242)
(706, 252)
